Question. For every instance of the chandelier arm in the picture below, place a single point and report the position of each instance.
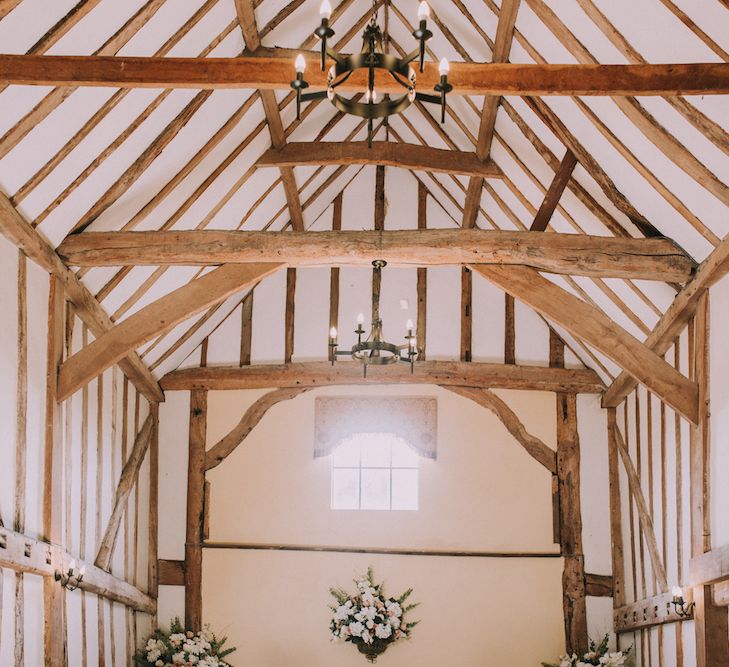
(318, 95)
(427, 97)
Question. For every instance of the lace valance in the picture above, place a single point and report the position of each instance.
(414, 419)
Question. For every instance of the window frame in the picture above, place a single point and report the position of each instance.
(394, 438)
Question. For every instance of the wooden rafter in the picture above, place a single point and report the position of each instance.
(406, 156)
(502, 47)
(575, 254)
(247, 19)
(57, 96)
(18, 231)
(156, 318)
(595, 328)
(554, 192)
(272, 72)
(446, 373)
(671, 147)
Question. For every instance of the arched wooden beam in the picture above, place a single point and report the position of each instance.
(227, 445)
(534, 446)
(406, 156)
(596, 329)
(156, 319)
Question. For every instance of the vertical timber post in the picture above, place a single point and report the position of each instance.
(195, 509)
(570, 514)
(54, 630)
(710, 622)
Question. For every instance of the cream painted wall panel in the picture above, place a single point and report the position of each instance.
(173, 441)
(311, 325)
(487, 318)
(473, 497)
(170, 604)
(33, 615)
(355, 296)
(224, 342)
(267, 345)
(594, 491)
(532, 336)
(7, 616)
(37, 353)
(599, 617)
(252, 598)
(74, 629)
(444, 313)
(9, 370)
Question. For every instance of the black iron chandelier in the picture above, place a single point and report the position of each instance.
(374, 350)
(372, 57)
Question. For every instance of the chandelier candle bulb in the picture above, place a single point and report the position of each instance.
(444, 67)
(423, 11)
(677, 593)
(300, 64)
(325, 10)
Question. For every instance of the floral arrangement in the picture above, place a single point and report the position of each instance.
(597, 654)
(369, 619)
(180, 647)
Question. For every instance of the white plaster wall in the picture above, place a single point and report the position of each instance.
(483, 492)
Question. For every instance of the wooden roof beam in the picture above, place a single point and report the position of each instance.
(405, 156)
(502, 47)
(19, 232)
(574, 254)
(676, 318)
(247, 19)
(155, 319)
(445, 373)
(273, 72)
(595, 328)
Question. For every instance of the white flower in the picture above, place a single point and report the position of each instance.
(367, 637)
(342, 613)
(614, 659)
(567, 661)
(178, 658)
(369, 613)
(383, 631)
(356, 629)
(394, 622)
(393, 608)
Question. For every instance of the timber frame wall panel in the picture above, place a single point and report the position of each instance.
(665, 517)
(88, 440)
